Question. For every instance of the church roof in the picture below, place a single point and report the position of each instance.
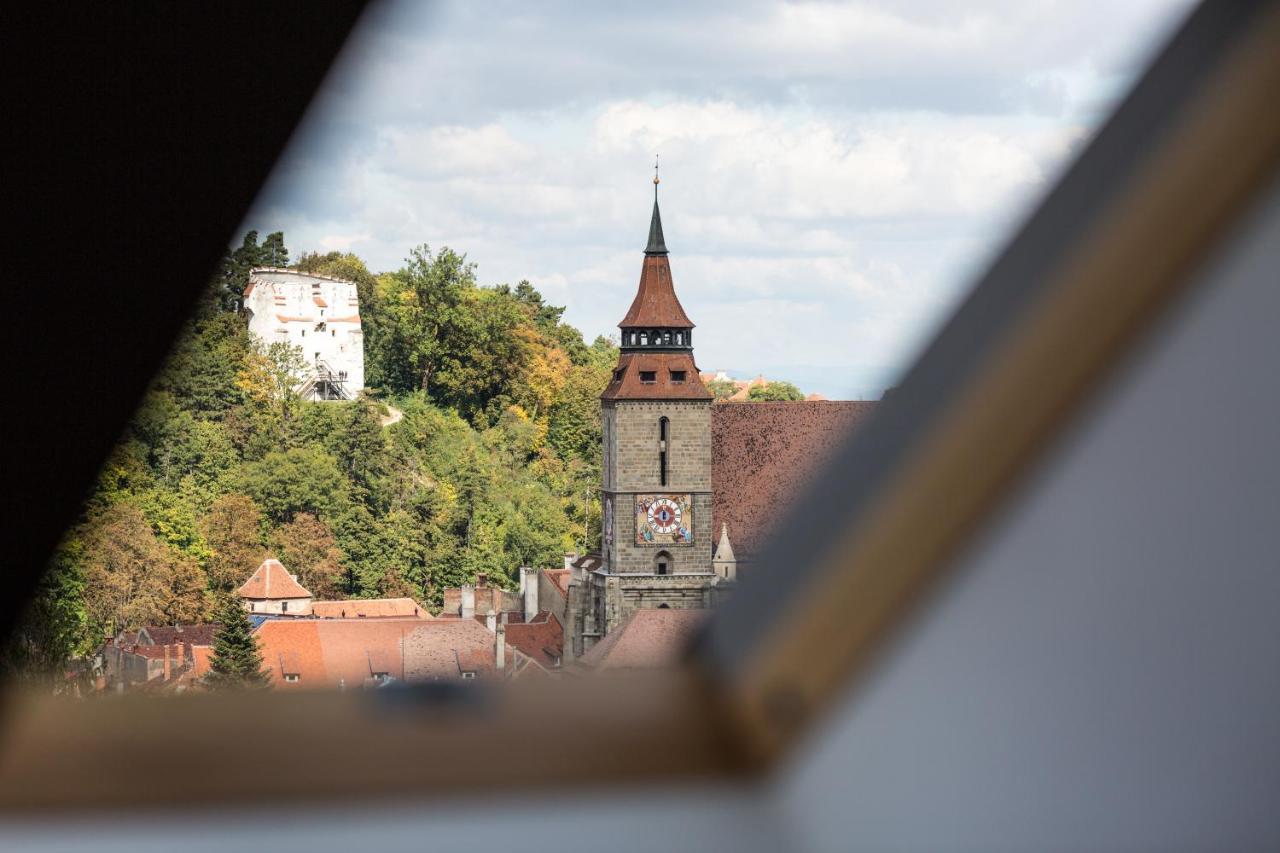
(628, 384)
(762, 454)
(646, 640)
(271, 581)
(656, 304)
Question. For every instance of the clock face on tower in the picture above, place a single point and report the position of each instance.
(664, 520)
(664, 515)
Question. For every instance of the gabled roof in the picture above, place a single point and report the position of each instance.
(763, 455)
(272, 581)
(647, 639)
(541, 639)
(656, 305)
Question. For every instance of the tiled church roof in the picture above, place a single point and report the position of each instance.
(647, 639)
(656, 304)
(763, 454)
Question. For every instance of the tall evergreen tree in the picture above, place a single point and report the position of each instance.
(236, 661)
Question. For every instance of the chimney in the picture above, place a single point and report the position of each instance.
(500, 653)
(167, 669)
(491, 620)
(482, 580)
(569, 558)
(529, 586)
(468, 601)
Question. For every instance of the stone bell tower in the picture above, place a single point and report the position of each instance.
(656, 490)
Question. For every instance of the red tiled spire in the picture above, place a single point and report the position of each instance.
(656, 305)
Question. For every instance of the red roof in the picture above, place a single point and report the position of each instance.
(762, 454)
(445, 648)
(647, 639)
(196, 635)
(542, 639)
(370, 608)
(328, 653)
(559, 578)
(656, 304)
(627, 384)
(272, 581)
(331, 653)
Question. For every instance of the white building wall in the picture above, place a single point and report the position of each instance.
(318, 314)
(285, 606)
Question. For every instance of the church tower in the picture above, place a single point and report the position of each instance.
(656, 491)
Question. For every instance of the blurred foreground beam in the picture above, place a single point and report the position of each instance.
(271, 748)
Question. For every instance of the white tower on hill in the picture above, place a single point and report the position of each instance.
(317, 313)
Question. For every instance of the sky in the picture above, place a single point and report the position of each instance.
(834, 176)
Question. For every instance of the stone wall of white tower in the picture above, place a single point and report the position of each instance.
(318, 314)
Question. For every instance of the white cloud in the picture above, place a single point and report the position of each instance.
(831, 173)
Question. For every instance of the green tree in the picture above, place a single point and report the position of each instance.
(54, 626)
(345, 266)
(233, 530)
(307, 547)
(776, 390)
(233, 272)
(721, 389)
(236, 662)
(301, 479)
(127, 571)
(423, 312)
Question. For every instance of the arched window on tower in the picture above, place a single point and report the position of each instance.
(679, 338)
(644, 339)
(666, 338)
(663, 428)
(662, 563)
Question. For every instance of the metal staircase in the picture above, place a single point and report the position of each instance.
(324, 383)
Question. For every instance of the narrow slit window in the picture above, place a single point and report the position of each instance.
(664, 426)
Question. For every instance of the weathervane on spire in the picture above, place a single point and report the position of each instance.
(655, 174)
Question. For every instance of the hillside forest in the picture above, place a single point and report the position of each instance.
(493, 465)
